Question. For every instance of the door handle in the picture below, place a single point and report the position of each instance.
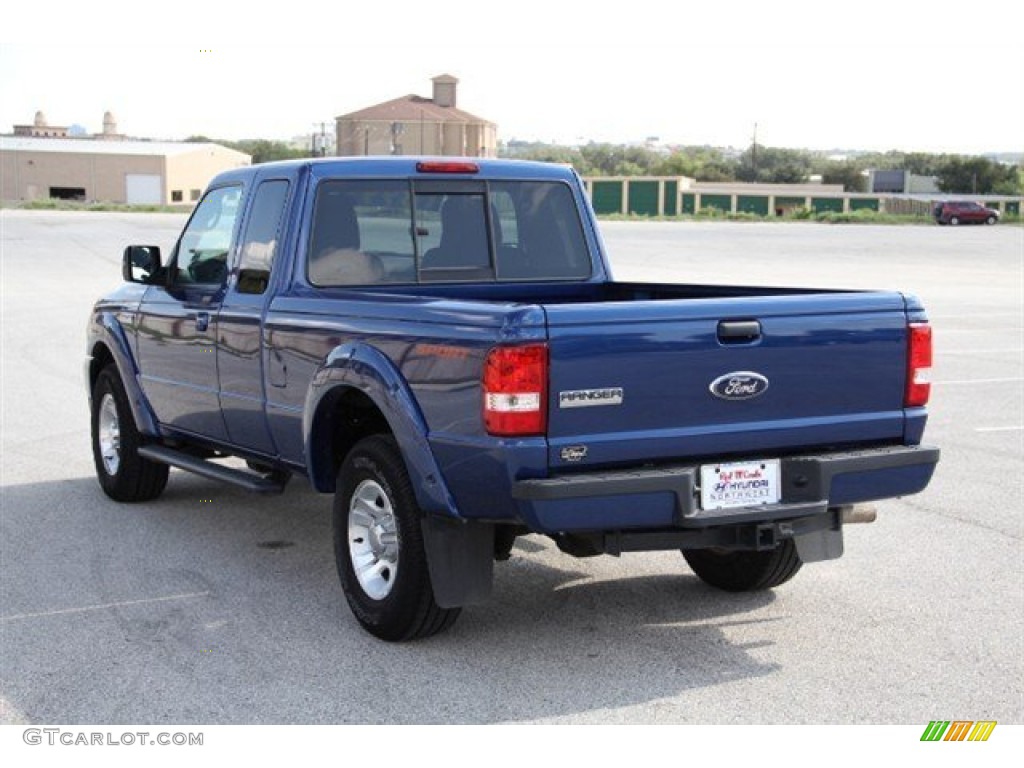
(202, 321)
(739, 331)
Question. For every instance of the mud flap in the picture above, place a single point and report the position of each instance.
(819, 545)
(460, 558)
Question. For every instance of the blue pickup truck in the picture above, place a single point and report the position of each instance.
(440, 344)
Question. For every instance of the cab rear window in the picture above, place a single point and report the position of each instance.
(368, 232)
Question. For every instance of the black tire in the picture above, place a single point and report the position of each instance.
(954, 220)
(745, 571)
(377, 524)
(122, 473)
(990, 220)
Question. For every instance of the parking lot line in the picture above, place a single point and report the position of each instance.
(1004, 351)
(972, 315)
(103, 606)
(1006, 380)
(1003, 329)
(999, 429)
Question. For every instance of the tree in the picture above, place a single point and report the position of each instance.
(717, 168)
(774, 165)
(545, 153)
(977, 175)
(261, 150)
(265, 151)
(616, 160)
(923, 163)
(677, 164)
(849, 173)
(700, 163)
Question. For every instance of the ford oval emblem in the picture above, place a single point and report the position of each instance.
(739, 385)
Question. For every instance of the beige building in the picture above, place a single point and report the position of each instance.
(415, 125)
(110, 169)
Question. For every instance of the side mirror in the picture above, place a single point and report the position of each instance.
(140, 263)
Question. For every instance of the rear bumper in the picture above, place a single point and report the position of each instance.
(667, 497)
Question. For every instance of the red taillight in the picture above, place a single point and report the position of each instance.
(515, 391)
(919, 364)
(446, 166)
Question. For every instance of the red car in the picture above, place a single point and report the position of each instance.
(964, 212)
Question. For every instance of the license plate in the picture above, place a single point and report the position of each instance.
(739, 484)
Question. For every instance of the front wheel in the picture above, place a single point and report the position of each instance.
(378, 546)
(990, 220)
(745, 571)
(122, 473)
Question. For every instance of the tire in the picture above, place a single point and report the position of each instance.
(954, 220)
(990, 220)
(378, 546)
(745, 571)
(122, 473)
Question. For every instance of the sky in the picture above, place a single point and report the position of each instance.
(863, 74)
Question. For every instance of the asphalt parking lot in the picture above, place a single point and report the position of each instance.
(213, 606)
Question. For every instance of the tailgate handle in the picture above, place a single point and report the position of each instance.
(739, 331)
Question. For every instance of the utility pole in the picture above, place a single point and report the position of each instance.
(320, 139)
(753, 153)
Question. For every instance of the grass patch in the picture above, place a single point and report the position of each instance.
(866, 216)
(72, 205)
(801, 214)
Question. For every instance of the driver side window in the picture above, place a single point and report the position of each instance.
(202, 253)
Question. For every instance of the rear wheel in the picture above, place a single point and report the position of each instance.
(378, 546)
(745, 571)
(122, 473)
(954, 220)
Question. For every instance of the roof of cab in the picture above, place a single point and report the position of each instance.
(392, 167)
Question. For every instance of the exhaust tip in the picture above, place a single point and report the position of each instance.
(861, 513)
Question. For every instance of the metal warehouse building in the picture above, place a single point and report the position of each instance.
(675, 195)
(117, 171)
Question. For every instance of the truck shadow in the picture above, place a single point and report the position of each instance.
(266, 635)
(587, 635)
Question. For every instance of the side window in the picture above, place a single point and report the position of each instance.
(361, 234)
(202, 253)
(261, 237)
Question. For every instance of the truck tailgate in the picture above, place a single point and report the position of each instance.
(633, 380)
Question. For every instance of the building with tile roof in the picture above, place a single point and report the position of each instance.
(416, 125)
